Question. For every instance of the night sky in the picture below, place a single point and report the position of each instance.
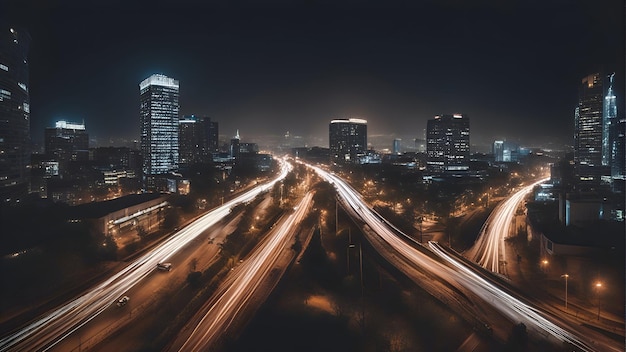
(513, 68)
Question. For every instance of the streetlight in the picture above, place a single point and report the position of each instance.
(598, 287)
(565, 276)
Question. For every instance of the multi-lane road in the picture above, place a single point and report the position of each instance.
(240, 286)
(48, 330)
(399, 249)
(488, 250)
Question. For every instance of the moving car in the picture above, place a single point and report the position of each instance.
(164, 266)
(122, 301)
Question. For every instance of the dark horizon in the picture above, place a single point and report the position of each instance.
(513, 68)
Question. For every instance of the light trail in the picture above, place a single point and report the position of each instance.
(242, 283)
(488, 250)
(48, 330)
(455, 272)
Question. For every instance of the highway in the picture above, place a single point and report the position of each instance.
(240, 286)
(48, 330)
(456, 273)
(488, 250)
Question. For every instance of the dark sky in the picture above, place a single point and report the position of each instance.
(513, 68)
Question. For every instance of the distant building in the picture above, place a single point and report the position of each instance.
(613, 146)
(505, 151)
(234, 146)
(66, 142)
(347, 140)
(396, 146)
(159, 127)
(618, 159)
(198, 140)
(589, 129)
(448, 143)
(14, 114)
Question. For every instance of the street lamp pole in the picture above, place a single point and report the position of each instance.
(598, 287)
(565, 276)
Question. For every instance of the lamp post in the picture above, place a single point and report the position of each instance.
(598, 287)
(565, 276)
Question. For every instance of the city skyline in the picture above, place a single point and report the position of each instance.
(267, 69)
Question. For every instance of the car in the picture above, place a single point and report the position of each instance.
(164, 266)
(123, 301)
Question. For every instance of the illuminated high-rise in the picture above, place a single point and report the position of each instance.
(14, 114)
(593, 117)
(448, 143)
(66, 142)
(347, 140)
(159, 126)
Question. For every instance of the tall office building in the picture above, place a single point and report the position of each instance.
(397, 146)
(66, 142)
(198, 139)
(347, 140)
(613, 139)
(589, 130)
(448, 143)
(609, 119)
(14, 114)
(159, 126)
(188, 145)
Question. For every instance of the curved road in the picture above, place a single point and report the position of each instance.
(49, 329)
(455, 272)
(488, 250)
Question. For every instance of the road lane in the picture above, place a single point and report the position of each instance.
(46, 331)
(488, 250)
(452, 271)
(240, 286)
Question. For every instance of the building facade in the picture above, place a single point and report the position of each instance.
(448, 143)
(347, 140)
(14, 114)
(198, 139)
(66, 142)
(588, 130)
(159, 127)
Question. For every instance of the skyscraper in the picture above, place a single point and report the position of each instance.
(198, 139)
(448, 143)
(614, 131)
(347, 139)
(396, 146)
(609, 119)
(588, 130)
(14, 114)
(66, 142)
(159, 126)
